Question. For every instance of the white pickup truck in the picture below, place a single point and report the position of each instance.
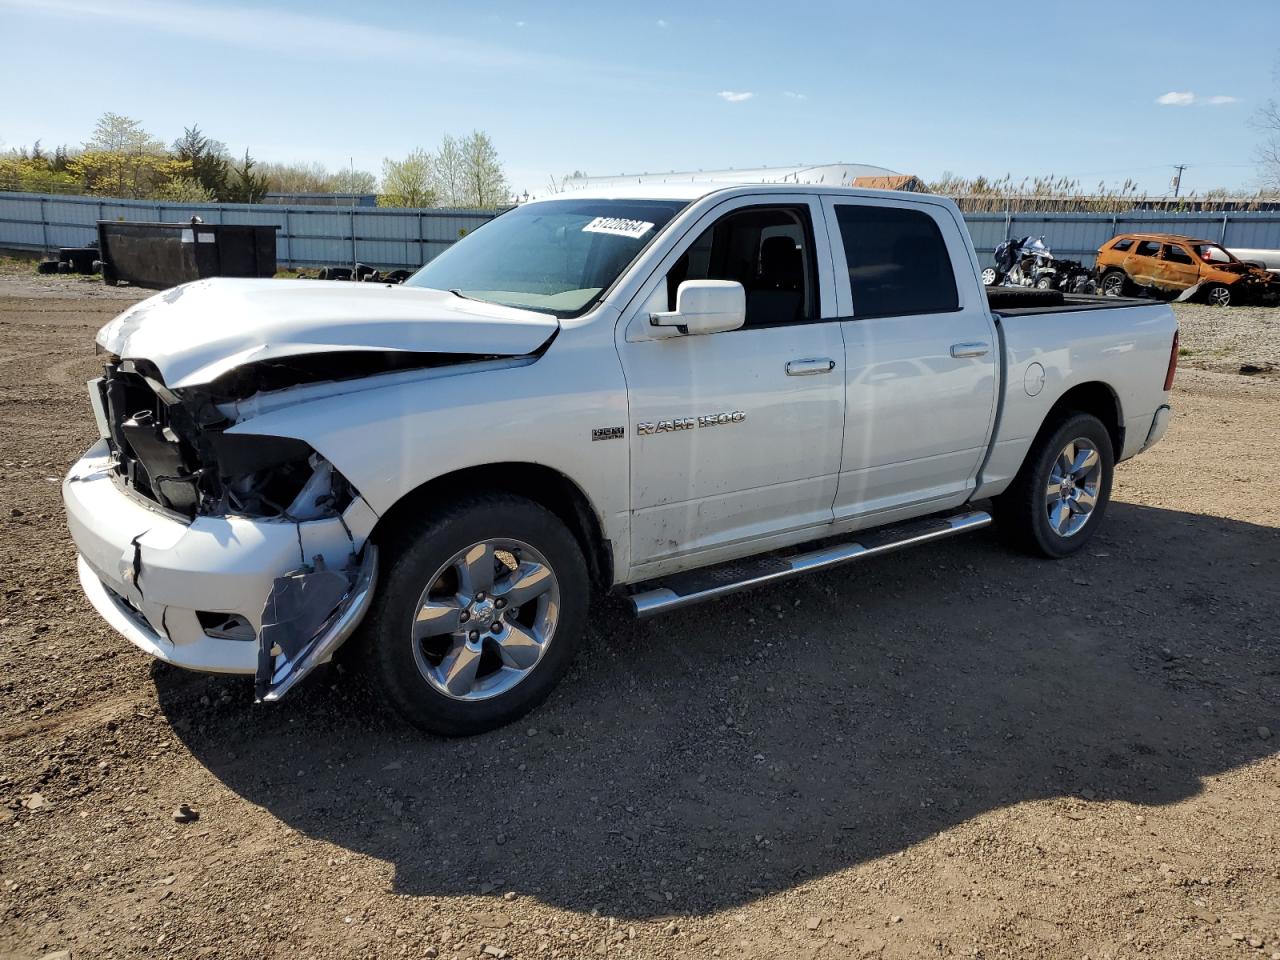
(672, 394)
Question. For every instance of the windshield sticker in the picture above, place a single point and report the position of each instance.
(618, 227)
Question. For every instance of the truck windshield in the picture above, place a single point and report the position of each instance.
(555, 257)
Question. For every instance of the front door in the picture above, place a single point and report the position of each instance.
(920, 358)
(735, 436)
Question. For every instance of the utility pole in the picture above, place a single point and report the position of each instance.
(1177, 178)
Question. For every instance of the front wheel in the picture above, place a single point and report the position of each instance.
(1218, 295)
(1060, 495)
(480, 615)
(989, 277)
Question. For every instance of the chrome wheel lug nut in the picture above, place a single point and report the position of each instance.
(497, 626)
(464, 616)
(480, 597)
(499, 603)
(473, 636)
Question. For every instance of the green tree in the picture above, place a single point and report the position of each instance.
(210, 164)
(121, 159)
(407, 182)
(245, 186)
(485, 182)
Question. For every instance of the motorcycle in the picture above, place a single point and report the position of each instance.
(1028, 262)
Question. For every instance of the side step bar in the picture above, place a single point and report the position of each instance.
(686, 589)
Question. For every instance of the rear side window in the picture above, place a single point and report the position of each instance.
(1123, 245)
(1148, 248)
(898, 262)
(1176, 254)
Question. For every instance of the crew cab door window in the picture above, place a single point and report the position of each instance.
(897, 262)
(766, 249)
(920, 356)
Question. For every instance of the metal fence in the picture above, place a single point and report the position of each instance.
(383, 237)
(308, 236)
(1078, 235)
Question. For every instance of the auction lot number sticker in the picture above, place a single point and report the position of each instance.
(618, 227)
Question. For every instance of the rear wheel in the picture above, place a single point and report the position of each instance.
(989, 277)
(1114, 283)
(480, 615)
(1044, 283)
(1217, 295)
(1060, 495)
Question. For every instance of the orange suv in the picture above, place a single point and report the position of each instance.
(1188, 268)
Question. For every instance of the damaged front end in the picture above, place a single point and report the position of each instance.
(174, 452)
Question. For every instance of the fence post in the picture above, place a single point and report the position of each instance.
(44, 226)
(1223, 239)
(353, 240)
(422, 239)
(288, 240)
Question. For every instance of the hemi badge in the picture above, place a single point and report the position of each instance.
(608, 433)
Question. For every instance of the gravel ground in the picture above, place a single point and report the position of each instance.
(1234, 340)
(956, 751)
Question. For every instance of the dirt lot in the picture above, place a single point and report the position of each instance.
(952, 752)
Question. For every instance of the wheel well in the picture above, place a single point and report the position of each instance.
(541, 484)
(1094, 398)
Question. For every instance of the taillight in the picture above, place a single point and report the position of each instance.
(1173, 363)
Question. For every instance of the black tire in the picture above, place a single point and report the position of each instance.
(1114, 283)
(1045, 283)
(413, 554)
(1217, 295)
(1023, 511)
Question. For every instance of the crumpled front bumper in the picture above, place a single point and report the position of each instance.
(154, 577)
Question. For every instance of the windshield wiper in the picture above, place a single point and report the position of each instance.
(458, 293)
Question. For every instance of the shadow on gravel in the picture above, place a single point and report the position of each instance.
(700, 761)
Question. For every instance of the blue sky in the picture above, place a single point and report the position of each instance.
(922, 87)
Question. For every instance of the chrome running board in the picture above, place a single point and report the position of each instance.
(686, 589)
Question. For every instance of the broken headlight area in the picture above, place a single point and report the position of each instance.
(174, 450)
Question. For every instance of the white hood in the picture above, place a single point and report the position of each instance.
(198, 331)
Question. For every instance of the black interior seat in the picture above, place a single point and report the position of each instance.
(777, 293)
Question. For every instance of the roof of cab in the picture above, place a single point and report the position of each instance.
(697, 190)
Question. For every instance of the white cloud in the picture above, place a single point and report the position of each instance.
(662, 23)
(792, 95)
(735, 96)
(310, 37)
(1175, 98)
(520, 23)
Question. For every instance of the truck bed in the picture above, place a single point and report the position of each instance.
(1017, 301)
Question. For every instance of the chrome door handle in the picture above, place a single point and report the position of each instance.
(959, 350)
(810, 366)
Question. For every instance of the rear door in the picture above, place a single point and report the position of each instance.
(1176, 269)
(920, 356)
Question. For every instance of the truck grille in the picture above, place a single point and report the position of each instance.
(151, 457)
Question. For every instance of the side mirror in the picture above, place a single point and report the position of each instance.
(705, 306)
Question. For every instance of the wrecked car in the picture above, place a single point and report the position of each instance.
(1028, 262)
(671, 395)
(1181, 267)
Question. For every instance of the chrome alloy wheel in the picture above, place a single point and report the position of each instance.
(1219, 296)
(1113, 285)
(485, 619)
(1074, 481)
